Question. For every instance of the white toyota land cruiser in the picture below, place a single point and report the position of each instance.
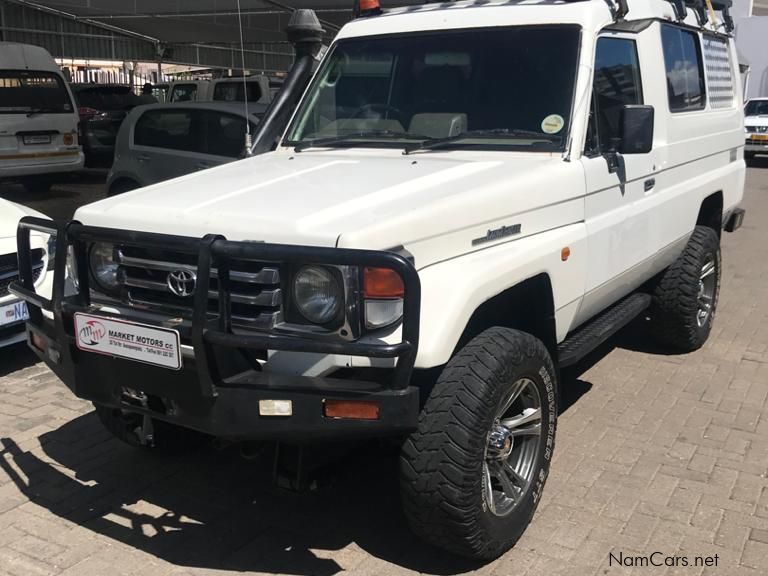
(468, 197)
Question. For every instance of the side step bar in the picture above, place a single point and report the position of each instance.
(589, 336)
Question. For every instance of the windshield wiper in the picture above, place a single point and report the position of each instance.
(356, 138)
(434, 143)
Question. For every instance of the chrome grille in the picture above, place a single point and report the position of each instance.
(9, 269)
(255, 293)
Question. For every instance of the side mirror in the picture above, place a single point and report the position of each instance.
(636, 129)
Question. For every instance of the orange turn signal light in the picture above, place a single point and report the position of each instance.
(352, 409)
(38, 342)
(382, 283)
(69, 139)
(366, 5)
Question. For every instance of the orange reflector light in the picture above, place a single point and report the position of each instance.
(38, 342)
(565, 253)
(69, 139)
(352, 409)
(382, 283)
(366, 5)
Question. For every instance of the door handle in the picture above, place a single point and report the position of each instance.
(649, 184)
(143, 158)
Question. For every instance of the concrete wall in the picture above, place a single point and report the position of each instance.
(751, 35)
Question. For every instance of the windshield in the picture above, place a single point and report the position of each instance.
(756, 108)
(23, 91)
(489, 88)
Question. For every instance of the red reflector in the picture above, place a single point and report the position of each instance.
(366, 5)
(382, 283)
(86, 112)
(38, 342)
(352, 409)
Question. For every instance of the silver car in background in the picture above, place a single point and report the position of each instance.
(162, 141)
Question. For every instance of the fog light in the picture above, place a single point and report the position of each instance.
(380, 313)
(352, 409)
(275, 408)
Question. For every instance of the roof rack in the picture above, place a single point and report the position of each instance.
(704, 9)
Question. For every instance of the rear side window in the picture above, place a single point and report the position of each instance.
(184, 92)
(685, 76)
(617, 83)
(717, 61)
(222, 134)
(172, 129)
(234, 91)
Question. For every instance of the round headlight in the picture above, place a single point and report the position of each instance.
(103, 266)
(317, 294)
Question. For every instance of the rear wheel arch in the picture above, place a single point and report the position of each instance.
(122, 185)
(711, 212)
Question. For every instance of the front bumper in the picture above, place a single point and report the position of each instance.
(758, 146)
(217, 391)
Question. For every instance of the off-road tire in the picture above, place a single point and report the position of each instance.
(167, 437)
(676, 296)
(441, 463)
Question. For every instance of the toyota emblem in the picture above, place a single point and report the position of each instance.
(182, 283)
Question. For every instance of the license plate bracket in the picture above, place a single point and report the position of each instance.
(128, 340)
(36, 139)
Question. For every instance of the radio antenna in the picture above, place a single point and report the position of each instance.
(248, 138)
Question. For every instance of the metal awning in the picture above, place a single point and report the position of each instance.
(200, 21)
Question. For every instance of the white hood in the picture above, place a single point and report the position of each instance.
(10, 214)
(356, 198)
(756, 120)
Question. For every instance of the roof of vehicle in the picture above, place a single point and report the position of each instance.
(111, 88)
(15, 56)
(238, 108)
(591, 14)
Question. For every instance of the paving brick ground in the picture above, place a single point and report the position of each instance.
(656, 453)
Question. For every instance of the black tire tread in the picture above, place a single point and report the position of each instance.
(439, 464)
(675, 299)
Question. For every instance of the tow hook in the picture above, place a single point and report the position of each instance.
(146, 433)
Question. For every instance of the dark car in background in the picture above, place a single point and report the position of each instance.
(102, 109)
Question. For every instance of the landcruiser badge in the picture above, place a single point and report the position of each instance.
(498, 234)
(182, 283)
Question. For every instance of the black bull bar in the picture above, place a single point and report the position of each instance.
(206, 332)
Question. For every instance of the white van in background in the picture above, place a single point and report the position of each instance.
(38, 118)
(221, 90)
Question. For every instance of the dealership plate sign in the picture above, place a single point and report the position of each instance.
(13, 313)
(139, 342)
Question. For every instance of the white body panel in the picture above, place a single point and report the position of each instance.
(10, 214)
(434, 204)
(17, 156)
